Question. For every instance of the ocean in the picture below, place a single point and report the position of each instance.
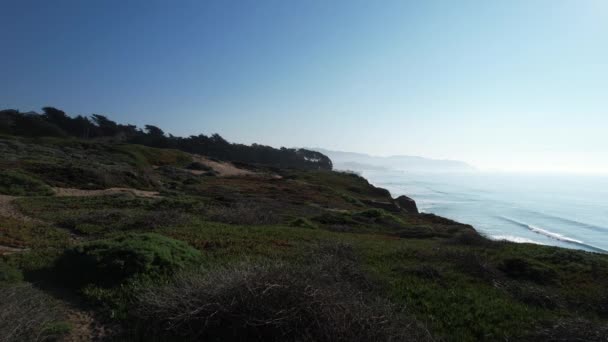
(561, 210)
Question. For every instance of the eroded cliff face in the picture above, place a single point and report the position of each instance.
(407, 204)
(399, 204)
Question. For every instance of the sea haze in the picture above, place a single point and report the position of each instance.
(561, 210)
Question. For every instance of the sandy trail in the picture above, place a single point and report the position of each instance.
(224, 169)
(7, 209)
(63, 192)
(6, 250)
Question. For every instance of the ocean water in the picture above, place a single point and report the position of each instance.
(562, 210)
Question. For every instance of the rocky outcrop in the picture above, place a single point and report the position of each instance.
(407, 204)
(388, 206)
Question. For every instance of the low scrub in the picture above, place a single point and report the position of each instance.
(15, 183)
(326, 299)
(111, 261)
(246, 213)
(302, 223)
(112, 220)
(525, 269)
(27, 314)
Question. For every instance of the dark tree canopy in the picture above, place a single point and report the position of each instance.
(55, 122)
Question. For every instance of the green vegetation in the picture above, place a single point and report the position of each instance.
(15, 183)
(56, 123)
(112, 261)
(283, 254)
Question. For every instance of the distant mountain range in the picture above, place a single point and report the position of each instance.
(365, 162)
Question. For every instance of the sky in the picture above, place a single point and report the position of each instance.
(518, 85)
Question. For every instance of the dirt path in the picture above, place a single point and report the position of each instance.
(224, 169)
(63, 192)
(7, 209)
(6, 250)
(85, 327)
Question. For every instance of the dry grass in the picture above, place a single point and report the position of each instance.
(327, 299)
(27, 314)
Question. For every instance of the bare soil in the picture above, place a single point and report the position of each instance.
(223, 169)
(62, 192)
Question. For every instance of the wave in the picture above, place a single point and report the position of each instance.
(552, 235)
(514, 238)
(573, 222)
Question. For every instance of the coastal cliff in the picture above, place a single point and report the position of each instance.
(160, 243)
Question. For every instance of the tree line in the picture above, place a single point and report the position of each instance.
(56, 123)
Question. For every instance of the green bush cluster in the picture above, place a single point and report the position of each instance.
(15, 183)
(109, 262)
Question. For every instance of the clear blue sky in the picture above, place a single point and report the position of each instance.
(512, 85)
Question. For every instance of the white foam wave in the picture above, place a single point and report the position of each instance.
(553, 235)
(542, 231)
(514, 238)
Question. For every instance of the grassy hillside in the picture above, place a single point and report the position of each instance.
(267, 254)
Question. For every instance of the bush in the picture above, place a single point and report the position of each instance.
(111, 261)
(198, 167)
(334, 218)
(324, 300)
(469, 237)
(246, 213)
(302, 223)
(108, 220)
(473, 264)
(569, 329)
(370, 214)
(417, 232)
(519, 268)
(27, 314)
(18, 184)
(8, 273)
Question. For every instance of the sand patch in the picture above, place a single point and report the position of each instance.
(63, 192)
(7, 209)
(6, 250)
(223, 169)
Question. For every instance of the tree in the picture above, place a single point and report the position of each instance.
(154, 131)
(106, 127)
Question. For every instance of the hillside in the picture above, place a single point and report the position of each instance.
(360, 162)
(106, 240)
(53, 122)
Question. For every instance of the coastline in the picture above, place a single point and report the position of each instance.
(495, 214)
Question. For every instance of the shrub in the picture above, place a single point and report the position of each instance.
(111, 261)
(70, 175)
(472, 264)
(18, 184)
(422, 271)
(351, 200)
(9, 273)
(107, 220)
(533, 295)
(302, 223)
(27, 314)
(519, 268)
(417, 232)
(198, 166)
(247, 213)
(569, 329)
(324, 300)
(370, 214)
(469, 237)
(334, 218)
